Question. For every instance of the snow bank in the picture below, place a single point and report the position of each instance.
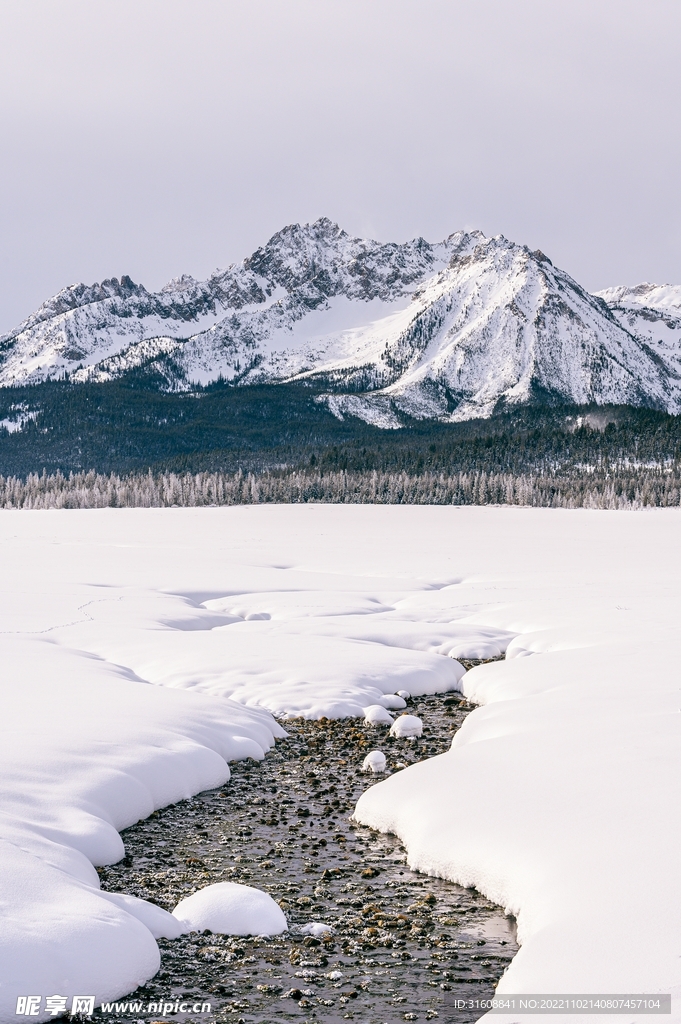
(86, 750)
(560, 797)
(230, 908)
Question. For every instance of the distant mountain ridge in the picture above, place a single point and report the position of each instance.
(450, 331)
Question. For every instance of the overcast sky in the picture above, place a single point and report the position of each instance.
(156, 137)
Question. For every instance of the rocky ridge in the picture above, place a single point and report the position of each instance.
(447, 331)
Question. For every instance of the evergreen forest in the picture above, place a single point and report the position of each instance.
(88, 445)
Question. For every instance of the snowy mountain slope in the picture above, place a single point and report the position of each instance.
(501, 323)
(664, 297)
(220, 325)
(448, 330)
(652, 313)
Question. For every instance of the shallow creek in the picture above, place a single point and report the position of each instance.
(404, 946)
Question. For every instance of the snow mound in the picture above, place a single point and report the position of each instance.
(376, 714)
(407, 726)
(393, 701)
(374, 762)
(404, 694)
(229, 908)
(316, 928)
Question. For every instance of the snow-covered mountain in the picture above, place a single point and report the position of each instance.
(449, 330)
(652, 314)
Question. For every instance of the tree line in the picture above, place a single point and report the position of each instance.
(624, 488)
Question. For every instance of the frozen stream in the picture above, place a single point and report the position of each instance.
(404, 945)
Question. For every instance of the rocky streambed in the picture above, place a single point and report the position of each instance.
(403, 947)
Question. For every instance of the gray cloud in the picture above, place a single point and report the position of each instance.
(154, 137)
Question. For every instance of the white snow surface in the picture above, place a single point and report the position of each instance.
(142, 649)
(229, 908)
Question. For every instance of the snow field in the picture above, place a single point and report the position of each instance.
(559, 797)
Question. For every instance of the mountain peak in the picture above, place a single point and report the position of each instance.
(320, 232)
(665, 297)
(184, 281)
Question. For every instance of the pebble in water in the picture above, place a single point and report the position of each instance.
(402, 945)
